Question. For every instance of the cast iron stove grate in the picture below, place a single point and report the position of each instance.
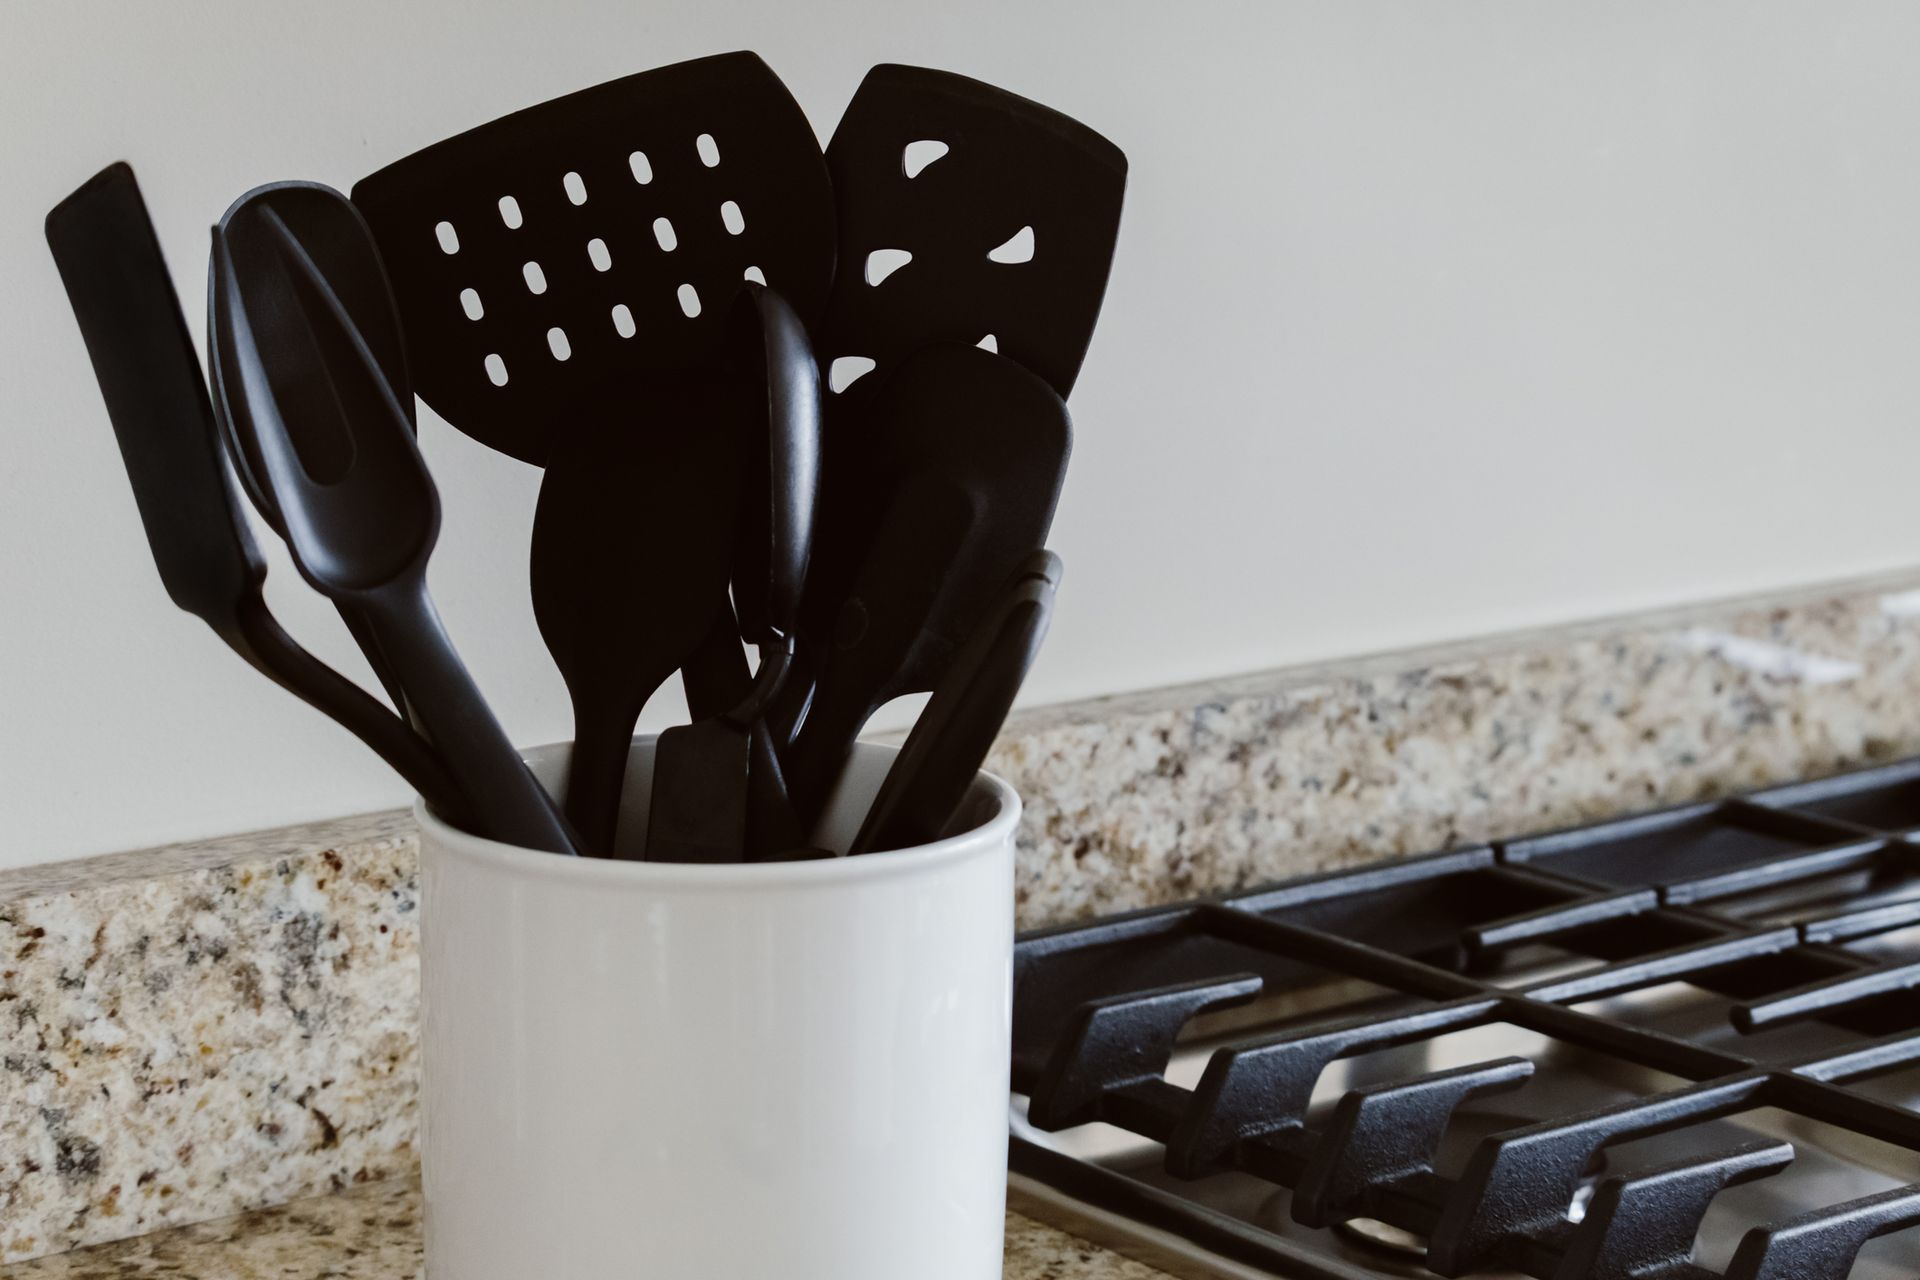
(1676, 1046)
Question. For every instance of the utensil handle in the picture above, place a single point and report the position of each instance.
(930, 776)
(924, 531)
(597, 773)
(717, 676)
(363, 636)
(507, 802)
(279, 657)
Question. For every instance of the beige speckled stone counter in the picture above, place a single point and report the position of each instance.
(373, 1233)
(198, 1031)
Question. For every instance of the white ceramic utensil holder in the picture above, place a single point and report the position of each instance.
(772, 1071)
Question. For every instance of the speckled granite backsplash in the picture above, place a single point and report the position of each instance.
(190, 1032)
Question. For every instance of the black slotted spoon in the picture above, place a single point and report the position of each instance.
(365, 296)
(325, 431)
(564, 275)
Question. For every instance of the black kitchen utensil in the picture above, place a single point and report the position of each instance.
(618, 221)
(632, 549)
(381, 327)
(930, 776)
(971, 448)
(561, 273)
(325, 429)
(117, 282)
(700, 796)
(1006, 213)
(965, 214)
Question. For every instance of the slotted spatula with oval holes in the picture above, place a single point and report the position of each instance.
(564, 275)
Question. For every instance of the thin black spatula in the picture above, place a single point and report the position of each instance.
(966, 214)
(701, 800)
(972, 454)
(937, 764)
(117, 282)
(326, 432)
(560, 272)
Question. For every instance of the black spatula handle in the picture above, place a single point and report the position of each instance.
(931, 775)
(924, 531)
(508, 803)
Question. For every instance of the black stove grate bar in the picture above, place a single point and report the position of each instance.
(1352, 959)
(1642, 1227)
(1257, 1089)
(1105, 1057)
(1518, 1184)
(1850, 926)
(1122, 1041)
(1645, 1046)
(1888, 1053)
(1115, 1193)
(1839, 1106)
(1788, 868)
(1831, 995)
(1665, 966)
(1384, 1136)
(1824, 1244)
(1546, 923)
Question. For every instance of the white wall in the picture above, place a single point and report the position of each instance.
(1429, 320)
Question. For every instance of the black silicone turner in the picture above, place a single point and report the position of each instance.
(939, 759)
(973, 452)
(1006, 213)
(116, 279)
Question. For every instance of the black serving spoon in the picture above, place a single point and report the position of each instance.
(117, 282)
(632, 547)
(965, 214)
(701, 798)
(968, 451)
(325, 430)
(380, 325)
(936, 765)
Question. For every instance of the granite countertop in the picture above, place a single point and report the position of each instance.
(192, 1031)
(373, 1233)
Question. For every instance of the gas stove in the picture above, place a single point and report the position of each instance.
(1679, 1046)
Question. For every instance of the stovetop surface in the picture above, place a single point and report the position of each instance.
(1681, 1045)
